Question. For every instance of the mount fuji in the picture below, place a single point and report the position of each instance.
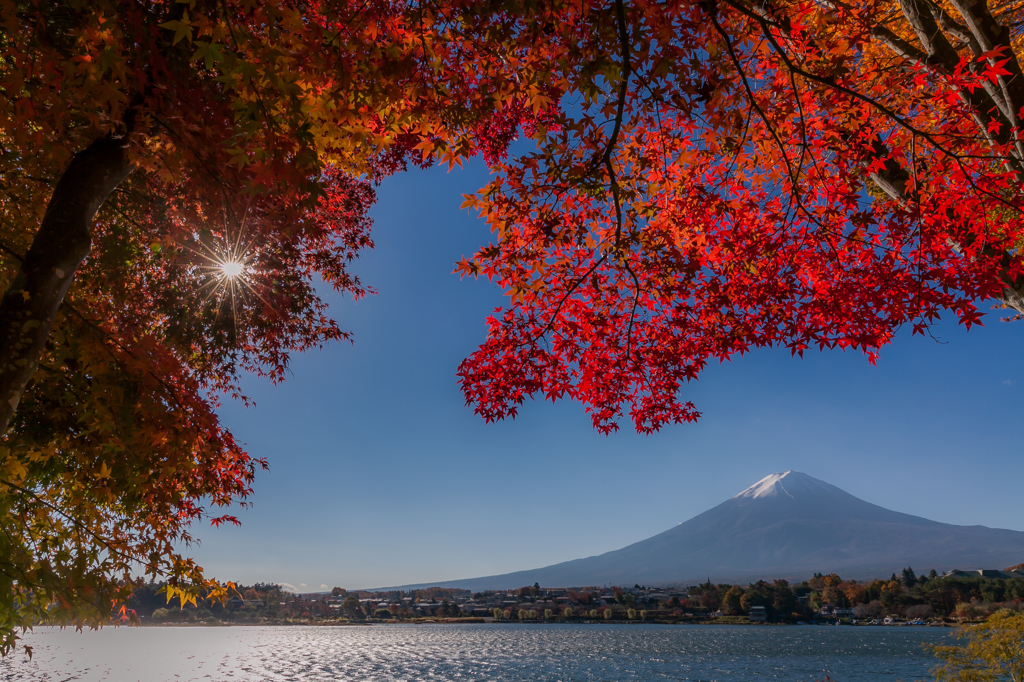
(787, 525)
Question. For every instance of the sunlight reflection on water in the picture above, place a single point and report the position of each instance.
(565, 653)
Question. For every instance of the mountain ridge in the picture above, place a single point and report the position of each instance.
(787, 525)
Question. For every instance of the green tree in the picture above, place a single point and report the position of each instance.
(758, 594)
(711, 596)
(784, 601)
(993, 652)
(834, 596)
(891, 596)
(732, 602)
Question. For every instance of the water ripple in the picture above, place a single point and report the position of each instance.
(502, 653)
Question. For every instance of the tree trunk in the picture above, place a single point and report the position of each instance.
(1013, 295)
(30, 304)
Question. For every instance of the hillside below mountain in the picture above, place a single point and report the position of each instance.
(787, 525)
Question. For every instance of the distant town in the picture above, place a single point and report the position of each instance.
(904, 598)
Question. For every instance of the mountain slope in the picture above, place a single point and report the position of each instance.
(786, 525)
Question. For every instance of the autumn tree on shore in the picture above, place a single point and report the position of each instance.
(991, 651)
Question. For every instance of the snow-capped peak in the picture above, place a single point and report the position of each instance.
(788, 484)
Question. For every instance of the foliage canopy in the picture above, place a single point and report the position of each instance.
(176, 176)
(994, 651)
(729, 175)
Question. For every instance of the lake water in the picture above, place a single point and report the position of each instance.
(591, 653)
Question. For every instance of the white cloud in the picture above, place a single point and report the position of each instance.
(1007, 382)
(324, 587)
(288, 587)
(302, 584)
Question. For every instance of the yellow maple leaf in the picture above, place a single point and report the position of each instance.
(104, 471)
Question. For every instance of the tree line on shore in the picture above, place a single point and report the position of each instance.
(268, 602)
(908, 595)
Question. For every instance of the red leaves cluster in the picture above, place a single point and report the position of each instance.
(736, 206)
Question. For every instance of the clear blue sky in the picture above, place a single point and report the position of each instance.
(380, 475)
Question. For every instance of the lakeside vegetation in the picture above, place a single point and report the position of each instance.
(908, 596)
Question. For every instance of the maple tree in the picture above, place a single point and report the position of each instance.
(176, 176)
(109, 452)
(729, 174)
(993, 650)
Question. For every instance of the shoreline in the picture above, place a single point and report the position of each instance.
(481, 621)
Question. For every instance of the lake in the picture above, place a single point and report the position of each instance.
(591, 653)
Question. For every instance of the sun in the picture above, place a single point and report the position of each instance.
(229, 276)
(232, 269)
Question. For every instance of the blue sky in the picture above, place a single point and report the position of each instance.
(380, 475)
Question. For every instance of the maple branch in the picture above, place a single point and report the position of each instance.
(899, 45)
(890, 164)
(991, 34)
(893, 182)
(73, 520)
(187, 143)
(831, 82)
(575, 285)
(30, 304)
(793, 177)
(794, 185)
(109, 337)
(893, 178)
(927, 29)
(942, 56)
(935, 43)
(954, 28)
(632, 310)
(627, 69)
(11, 252)
(606, 158)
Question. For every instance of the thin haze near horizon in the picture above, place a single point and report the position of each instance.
(380, 475)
